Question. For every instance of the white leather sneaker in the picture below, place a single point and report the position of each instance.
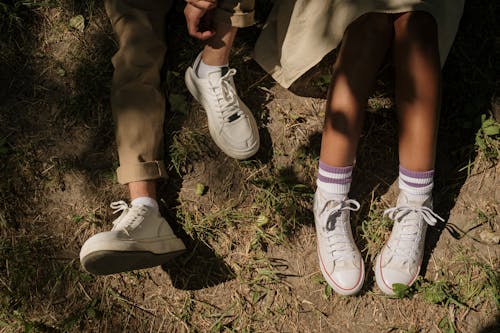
(140, 238)
(339, 258)
(401, 258)
(230, 122)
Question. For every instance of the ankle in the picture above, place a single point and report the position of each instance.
(202, 70)
(146, 188)
(329, 196)
(416, 185)
(334, 182)
(146, 201)
(215, 57)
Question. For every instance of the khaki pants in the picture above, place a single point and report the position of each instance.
(137, 101)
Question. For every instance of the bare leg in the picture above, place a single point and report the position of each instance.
(418, 85)
(142, 189)
(364, 46)
(217, 49)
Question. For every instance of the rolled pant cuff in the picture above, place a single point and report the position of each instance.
(141, 171)
(237, 20)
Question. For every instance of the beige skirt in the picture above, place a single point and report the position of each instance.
(299, 33)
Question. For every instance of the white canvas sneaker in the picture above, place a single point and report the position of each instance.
(231, 124)
(140, 238)
(401, 258)
(339, 258)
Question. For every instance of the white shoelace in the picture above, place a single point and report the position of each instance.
(410, 228)
(134, 216)
(226, 97)
(336, 229)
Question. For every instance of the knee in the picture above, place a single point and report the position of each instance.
(416, 25)
(139, 57)
(378, 25)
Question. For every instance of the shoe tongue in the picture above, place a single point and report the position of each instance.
(217, 74)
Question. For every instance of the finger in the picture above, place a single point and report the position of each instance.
(204, 35)
(192, 20)
(192, 26)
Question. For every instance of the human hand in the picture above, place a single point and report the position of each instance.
(195, 12)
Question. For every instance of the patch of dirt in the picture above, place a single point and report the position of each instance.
(251, 263)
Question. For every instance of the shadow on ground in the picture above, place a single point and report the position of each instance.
(56, 119)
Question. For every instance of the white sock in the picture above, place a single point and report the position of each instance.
(334, 182)
(417, 185)
(146, 201)
(202, 70)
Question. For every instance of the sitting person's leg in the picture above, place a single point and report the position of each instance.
(418, 85)
(210, 80)
(140, 237)
(363, 49)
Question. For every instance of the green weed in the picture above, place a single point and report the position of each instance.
(187, 308)
(90, 311)
(206, 225)
(327, 290)
(280, 206)
(187, 146)
(324, 81)
(446, 325)
(375, 229)
(262, 275)
(487, 138)
(401, 290)
(472, 284)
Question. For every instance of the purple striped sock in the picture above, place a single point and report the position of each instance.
(416, 182)
(334, 180)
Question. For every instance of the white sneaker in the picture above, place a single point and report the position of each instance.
(140, 238)
(401, 258)
(339, 258)
(231, 124)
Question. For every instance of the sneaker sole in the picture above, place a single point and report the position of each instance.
(111, 262)
(239, 156)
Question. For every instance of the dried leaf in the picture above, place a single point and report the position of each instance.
(77, 22)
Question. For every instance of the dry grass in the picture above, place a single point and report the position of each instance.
(251, 263)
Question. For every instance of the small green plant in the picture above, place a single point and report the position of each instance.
(401, 290)
(327, 291)
(446, 325)
(436, 293)
(186, 147)
(206, 225)
(324, 81)
(263, 276)
(487, 138)
(77, 218)
(281, 205)
(90, 311)
(375, 229)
